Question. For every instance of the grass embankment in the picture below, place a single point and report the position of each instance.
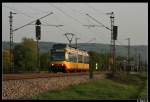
(144, 92)
(124, 87)
(138, 80)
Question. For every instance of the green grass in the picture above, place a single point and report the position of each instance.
(139, 80)
(122, 87)
(144, 91)
(101, 89)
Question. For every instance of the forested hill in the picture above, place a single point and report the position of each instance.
(100, 48)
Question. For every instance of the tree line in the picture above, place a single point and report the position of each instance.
(25, 58)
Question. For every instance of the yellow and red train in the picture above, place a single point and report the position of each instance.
(68, 59)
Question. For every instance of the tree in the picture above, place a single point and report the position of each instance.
(25, 55)
(19, 58)
(6, 61)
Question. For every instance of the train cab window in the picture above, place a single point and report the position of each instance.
(58, 56)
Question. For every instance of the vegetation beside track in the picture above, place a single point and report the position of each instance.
(131, 87)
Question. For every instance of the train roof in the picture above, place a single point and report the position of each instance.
(60, 45)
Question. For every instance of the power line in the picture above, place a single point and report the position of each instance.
(74, 10)
(93, 39)
(32, 21)
(93, 25)
(49, 25)
(84, 15)
(88, 20)
(70, 17)
(26, 14)
(66, 14)
(35, 9)
(98, 22)
(94, 9)
(61, 29)
(18, 11)
(119, 42)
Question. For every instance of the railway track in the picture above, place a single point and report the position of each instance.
(41, 75)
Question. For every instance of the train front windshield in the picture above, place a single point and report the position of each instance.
(58, 56)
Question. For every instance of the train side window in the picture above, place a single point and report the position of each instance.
(80, 58)
(72, 57)
(83, 59)
(86, 59)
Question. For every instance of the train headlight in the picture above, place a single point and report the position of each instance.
(52, 64)
(62, 64)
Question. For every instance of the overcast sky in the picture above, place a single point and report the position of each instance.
(131, 19)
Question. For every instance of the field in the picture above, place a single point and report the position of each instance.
(131, 87)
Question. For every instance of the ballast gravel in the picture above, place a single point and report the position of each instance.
(25, 89)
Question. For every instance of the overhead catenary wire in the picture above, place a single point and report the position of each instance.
(120, 43)
(72, 18)
(98, 11)
(93, 25)
(35, 9)
(32, 21)
(79, 11)
(47, 25)
(98, 21)
(94, 9)
(94, 30)
(18, 11)
(76, 20)
(66, 14)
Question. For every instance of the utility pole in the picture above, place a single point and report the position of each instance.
(11, 42)
(112, 42)
(128, 58)
(105, 67)
(11, 36)
(76, 42)
(135, 58)
(77, 53)
(145, 66)
(38, 58)
(113, 36)
(139, 62)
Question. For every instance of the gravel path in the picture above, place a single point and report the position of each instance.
(25, 89)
